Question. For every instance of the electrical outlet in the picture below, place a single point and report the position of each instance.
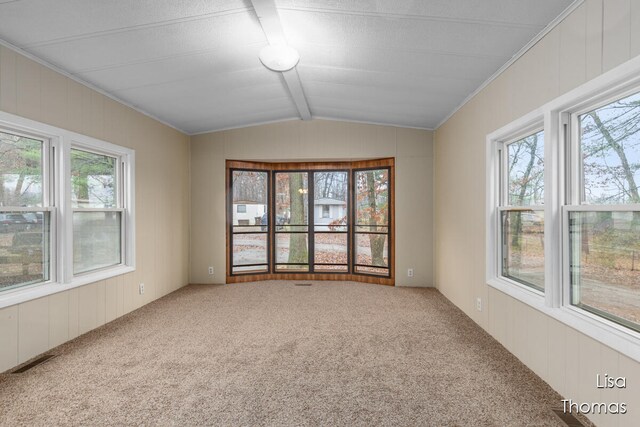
(141, 288)
(210, 271)
(410, 272)
(479, 304)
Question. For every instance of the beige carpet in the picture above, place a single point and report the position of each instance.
(272, 353)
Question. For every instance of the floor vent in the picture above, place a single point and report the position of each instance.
(302, 284)
(569, 419)
(38, 361)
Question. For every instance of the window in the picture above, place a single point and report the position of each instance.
(522, 211)
(331, 235)
(25, 236)
(372, 221)
(292, 221)
(97, 212)
(604, 214)
(563, 209)
(314, 205)
(250, 252)
(66, 209)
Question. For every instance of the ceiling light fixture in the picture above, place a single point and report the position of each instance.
(279, 57)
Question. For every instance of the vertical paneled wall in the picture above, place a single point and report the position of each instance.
(162, 208)
(315, 140)
(596, 37)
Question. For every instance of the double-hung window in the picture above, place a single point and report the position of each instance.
(522, 210)
(563, 208)
(66, 209)
(96, 200)
(26, 211)
(602, 216)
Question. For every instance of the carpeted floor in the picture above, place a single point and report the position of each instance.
(272, 353)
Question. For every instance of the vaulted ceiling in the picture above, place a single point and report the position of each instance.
(194, 63)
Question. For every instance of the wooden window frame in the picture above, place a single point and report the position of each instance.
(344, 166)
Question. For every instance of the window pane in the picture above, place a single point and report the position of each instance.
(96, 240)
(249, 249)
(605, 264)
(330, 248)
(292, 198)
(20, 171)
(372, 197)
(93, 180)
(526, 171)
(24, 248)
(523, 247)
(250, 194)
(251, 269)
(372, 249)
(288, 268)
(330, 200)
(610, 144)
(372, 270)
(292, 248)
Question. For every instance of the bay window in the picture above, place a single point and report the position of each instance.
(310, 220)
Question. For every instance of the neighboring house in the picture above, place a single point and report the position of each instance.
(328, 210)
(248, 212)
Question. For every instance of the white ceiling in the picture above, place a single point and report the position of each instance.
(194, 63)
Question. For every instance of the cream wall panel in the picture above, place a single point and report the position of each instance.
(589, 365)
(573, 49)
(557, 351)
(101, 303)
(411, 142)
(313, 140)
(33, 328)
(96, 114)
(634, 45)
(54, 96)
(593, 40)
(497, 320)
(572, 369)
(617, 33)
(58, 318)
(120, 296)
(8, 338)
(28, 88)
(414, 219)
(74, 106)
(111, 299)
(87, 308)
(73, 313)
(610, 364)
(8, 81)
(570, 54)
(520, 334)
(537, 342)
(631, 395)
(86, 114)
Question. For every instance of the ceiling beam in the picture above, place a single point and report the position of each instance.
(272, 27)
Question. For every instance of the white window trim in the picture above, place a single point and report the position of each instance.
(555, 116)
(62, 140)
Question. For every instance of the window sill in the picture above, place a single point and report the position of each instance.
(619, 338)
(21, 295)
